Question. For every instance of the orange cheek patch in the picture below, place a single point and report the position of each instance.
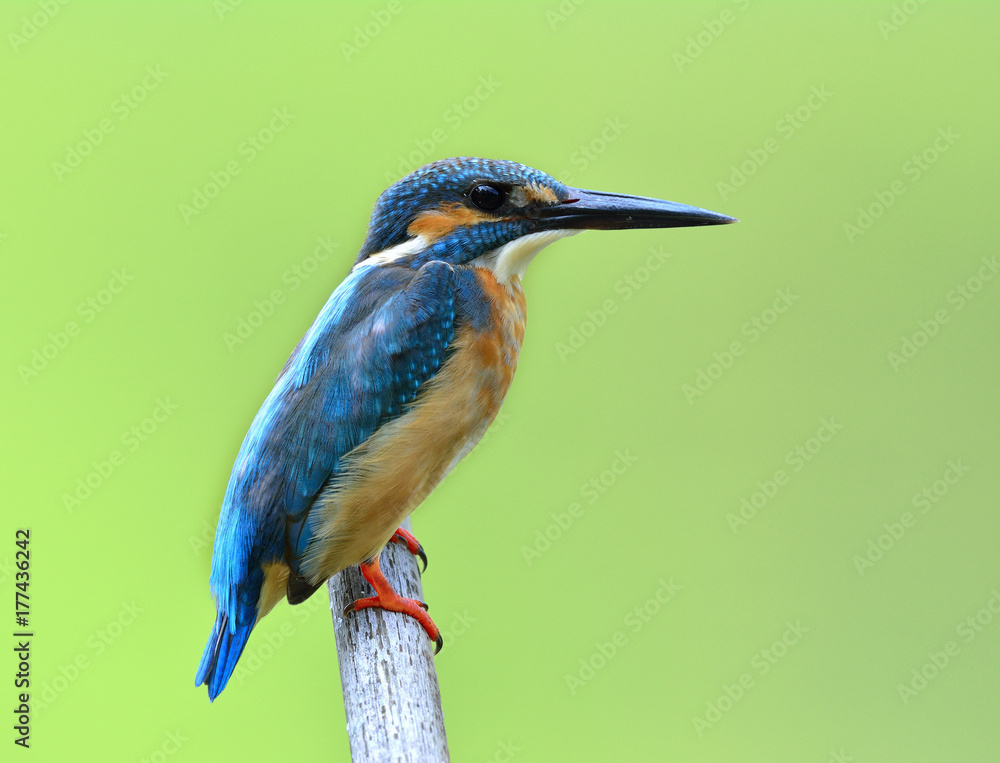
(540, 194)
(435, 223)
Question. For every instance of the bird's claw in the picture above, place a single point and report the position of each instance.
(386, 598)
(412, 545)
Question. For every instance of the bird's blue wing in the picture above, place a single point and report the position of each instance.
(394, 353)
(383, 333)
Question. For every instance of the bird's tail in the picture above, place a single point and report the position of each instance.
(224, 648)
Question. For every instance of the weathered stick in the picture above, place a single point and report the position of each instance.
(391, 692)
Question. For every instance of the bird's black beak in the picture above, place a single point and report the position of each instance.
(596, 210)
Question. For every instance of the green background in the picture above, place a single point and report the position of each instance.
(660, 99)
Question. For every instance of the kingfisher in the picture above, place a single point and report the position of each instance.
(398, 378)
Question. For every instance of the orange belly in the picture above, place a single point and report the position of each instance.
(387, 476)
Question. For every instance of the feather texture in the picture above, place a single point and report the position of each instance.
(340, 451)
(396, 380)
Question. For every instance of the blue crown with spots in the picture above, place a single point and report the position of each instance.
(448, 181)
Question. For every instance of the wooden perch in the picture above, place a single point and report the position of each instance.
(391, 693)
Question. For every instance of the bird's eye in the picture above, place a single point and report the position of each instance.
(487, 197)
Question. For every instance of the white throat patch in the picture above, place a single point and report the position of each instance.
(393, 253)
(513, 258)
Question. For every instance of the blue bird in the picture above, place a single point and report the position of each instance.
(396, 380)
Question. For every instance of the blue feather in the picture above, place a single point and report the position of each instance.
(384, 332)
(221, 654)
(443, 182)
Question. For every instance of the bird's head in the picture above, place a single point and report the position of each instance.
(458, 210)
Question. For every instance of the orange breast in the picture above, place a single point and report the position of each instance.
(387, 476)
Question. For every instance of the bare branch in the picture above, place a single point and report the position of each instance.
(391, 693)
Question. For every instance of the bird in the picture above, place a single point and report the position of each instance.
(399, 376)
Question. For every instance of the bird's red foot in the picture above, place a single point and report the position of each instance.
(406, 537)
(386, 598)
